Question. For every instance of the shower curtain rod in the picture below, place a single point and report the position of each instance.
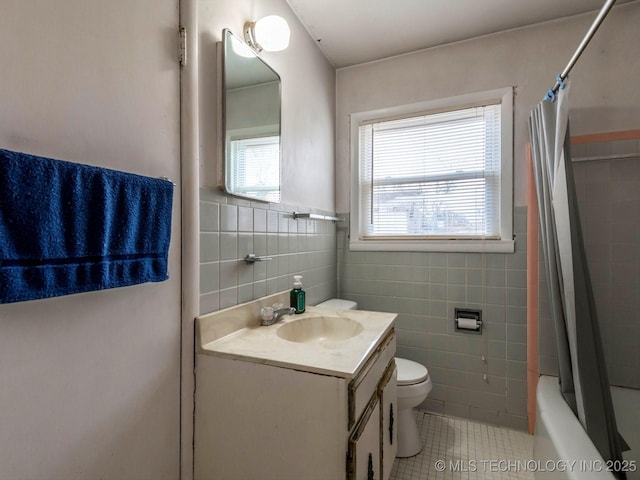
(585, 41)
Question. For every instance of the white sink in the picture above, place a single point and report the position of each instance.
(321, 340)
(319, 329)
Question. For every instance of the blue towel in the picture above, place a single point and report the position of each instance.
(69, 228)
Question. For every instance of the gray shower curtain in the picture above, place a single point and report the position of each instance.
(581, 367)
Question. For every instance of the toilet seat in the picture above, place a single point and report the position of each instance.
(410, 373)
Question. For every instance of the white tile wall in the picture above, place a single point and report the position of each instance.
(424, 289)
(231, 228)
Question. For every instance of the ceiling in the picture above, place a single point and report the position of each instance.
(356, 31)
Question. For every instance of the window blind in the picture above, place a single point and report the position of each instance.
(255, 167)
(432, 175)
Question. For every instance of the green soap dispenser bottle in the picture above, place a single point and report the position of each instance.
(297, 295)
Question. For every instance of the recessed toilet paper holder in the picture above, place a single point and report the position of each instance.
(468, 320)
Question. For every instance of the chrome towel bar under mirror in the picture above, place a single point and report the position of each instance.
(315, 216)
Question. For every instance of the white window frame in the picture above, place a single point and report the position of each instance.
(504, 244)
(232, 178)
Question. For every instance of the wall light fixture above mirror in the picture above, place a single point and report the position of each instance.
(270, 33)
(250, 99)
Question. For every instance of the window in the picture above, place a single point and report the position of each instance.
(434, 176)
(254, 169)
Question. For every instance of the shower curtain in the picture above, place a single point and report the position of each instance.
(581, 367)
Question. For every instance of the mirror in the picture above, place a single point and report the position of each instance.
(250, 123)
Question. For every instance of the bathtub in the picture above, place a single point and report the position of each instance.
(561, 447)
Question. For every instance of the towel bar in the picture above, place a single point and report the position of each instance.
(315, 216)
(252, 258)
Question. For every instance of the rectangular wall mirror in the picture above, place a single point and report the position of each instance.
(250, 123)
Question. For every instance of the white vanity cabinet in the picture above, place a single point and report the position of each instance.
(373, 442)
(372, 396)
(255, 420)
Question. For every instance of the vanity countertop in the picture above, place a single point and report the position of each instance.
(236, 333)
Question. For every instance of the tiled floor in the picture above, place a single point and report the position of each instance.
(459, 449)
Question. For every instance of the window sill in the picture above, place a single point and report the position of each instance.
(479, 246)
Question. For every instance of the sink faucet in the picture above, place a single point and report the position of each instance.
(277, 315)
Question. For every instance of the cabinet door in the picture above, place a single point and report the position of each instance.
(388, 419)
(364, 386)
(364, 445)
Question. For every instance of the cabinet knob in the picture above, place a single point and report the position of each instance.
(370, 468)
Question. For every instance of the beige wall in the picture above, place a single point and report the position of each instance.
(231, 227)
(604, 94)
(225, 228)
(90, 382)
(308, 99)
(425, 288)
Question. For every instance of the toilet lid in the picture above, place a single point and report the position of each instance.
(410, 372)
(338, 304)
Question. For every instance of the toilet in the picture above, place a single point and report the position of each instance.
(414, 384)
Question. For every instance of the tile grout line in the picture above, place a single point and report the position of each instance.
(467, 447)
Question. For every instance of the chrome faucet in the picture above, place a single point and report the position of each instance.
(277, 315)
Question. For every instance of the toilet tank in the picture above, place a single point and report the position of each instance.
(338, 304)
